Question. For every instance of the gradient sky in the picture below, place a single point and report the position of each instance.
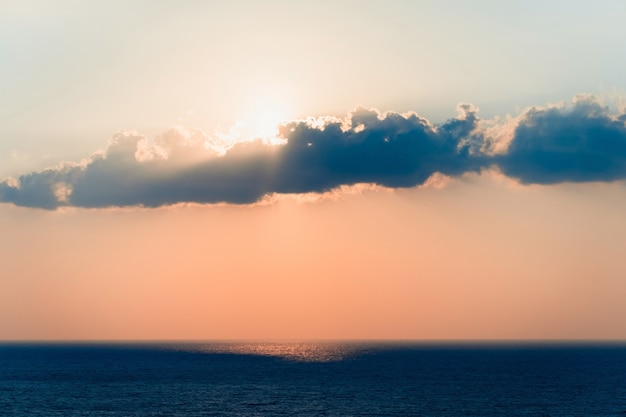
(442, 170)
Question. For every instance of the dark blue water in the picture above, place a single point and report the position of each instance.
(312, 379)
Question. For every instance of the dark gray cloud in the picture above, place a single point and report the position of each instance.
(391, 150)
(578, 144)
(583, 142)
(394, 151)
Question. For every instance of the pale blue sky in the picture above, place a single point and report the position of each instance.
(75, 72)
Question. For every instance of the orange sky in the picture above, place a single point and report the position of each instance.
(480, 258)
(140, 103)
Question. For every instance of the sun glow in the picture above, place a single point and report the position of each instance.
(262, 121)
(259, 120)
(262, 112)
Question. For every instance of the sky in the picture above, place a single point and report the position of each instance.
(415, 170)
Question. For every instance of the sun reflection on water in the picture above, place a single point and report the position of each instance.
(294, 351)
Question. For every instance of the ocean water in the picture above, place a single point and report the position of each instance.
(312, 379)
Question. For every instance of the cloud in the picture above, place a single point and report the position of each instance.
(576, 143)
(390, 149)
(581, 143)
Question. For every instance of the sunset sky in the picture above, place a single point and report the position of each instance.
(312, 170)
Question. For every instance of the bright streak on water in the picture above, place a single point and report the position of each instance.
(293, 351)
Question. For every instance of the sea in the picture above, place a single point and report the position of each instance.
(312, 379)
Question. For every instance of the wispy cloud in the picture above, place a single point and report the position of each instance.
(581, 142)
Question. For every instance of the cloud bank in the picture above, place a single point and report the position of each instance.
(581, 142)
